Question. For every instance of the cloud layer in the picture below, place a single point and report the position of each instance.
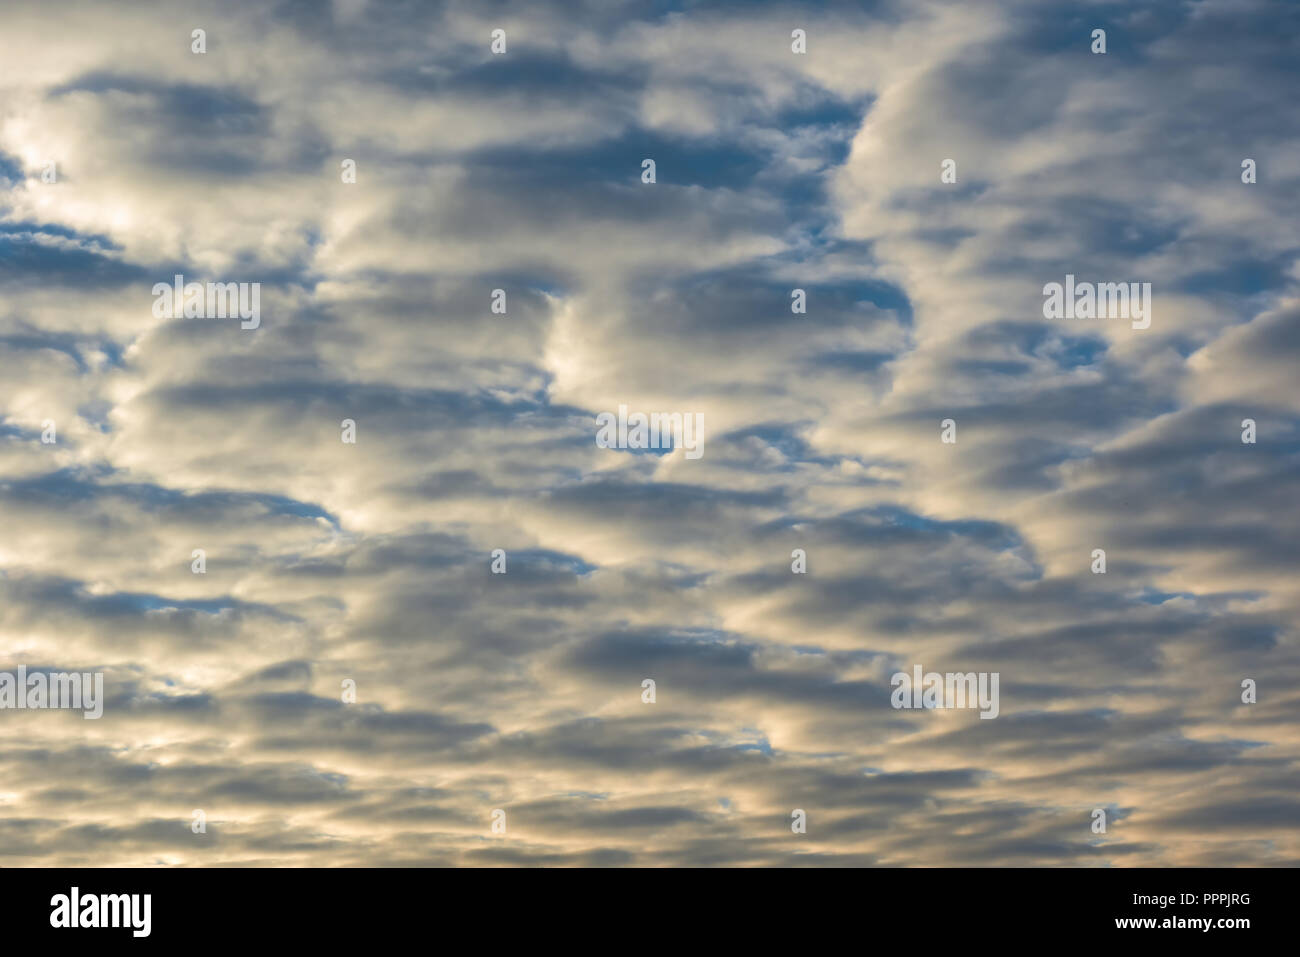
(370, 562)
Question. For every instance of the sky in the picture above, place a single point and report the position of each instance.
(917, 469)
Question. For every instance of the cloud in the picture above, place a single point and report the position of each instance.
(335, 567)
